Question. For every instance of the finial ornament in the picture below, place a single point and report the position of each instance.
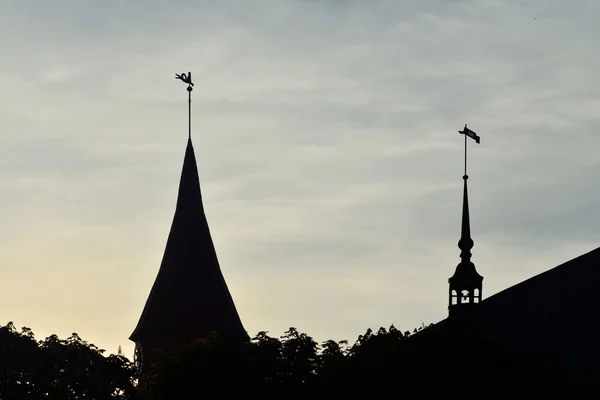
(185, 79)
(188, 79)
(467, 132)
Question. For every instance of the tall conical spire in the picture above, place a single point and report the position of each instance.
(189, 298)
(466, 283)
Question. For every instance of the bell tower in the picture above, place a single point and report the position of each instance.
(466, 283)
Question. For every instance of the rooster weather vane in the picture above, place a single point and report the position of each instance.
(188, 79)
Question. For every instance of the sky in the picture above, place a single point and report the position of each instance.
(326, 139)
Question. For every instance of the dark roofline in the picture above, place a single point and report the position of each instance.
(553, 312)
(544, 274)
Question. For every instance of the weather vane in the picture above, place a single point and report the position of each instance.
(188, 79)
(467, 132)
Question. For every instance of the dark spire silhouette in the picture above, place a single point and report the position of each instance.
(466, 283)
(189, 298)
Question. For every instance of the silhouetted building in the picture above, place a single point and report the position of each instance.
(551, 314)
(466, 283)
(189, 298)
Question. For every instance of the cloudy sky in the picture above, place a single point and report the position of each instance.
(327, 147)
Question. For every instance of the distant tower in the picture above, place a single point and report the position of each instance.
(466, 283)
(189, 298)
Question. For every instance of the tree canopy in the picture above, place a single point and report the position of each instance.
(60, 369)
(291, 365)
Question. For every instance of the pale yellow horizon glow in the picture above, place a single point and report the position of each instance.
(325, 136)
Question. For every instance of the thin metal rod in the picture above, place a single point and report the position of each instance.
(465, 154)
(189, 112)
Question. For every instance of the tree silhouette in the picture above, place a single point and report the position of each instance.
(293, 365)
(61, 369)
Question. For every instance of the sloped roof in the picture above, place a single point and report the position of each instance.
(189, 297)
(554, 312)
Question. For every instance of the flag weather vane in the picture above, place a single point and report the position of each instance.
(188, 79)
(467, 132)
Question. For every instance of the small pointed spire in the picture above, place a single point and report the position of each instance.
(466, 283)
(465, 244)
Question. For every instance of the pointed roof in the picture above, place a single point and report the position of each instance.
(189, 297)
(465, 276)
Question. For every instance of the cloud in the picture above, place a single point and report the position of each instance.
(326, 140)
